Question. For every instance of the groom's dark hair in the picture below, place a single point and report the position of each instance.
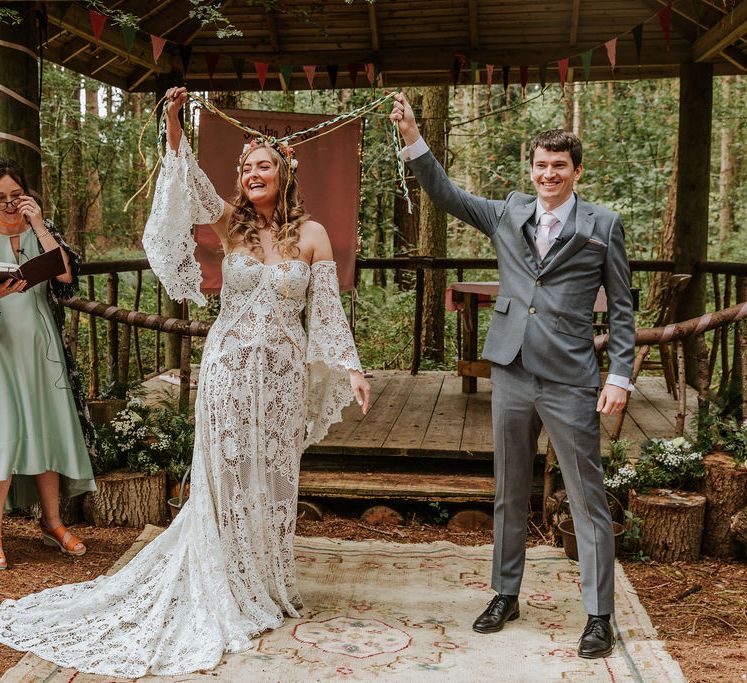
(558, 140)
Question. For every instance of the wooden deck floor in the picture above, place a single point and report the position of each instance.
(428, 415)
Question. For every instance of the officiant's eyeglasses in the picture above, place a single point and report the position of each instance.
(13, 203)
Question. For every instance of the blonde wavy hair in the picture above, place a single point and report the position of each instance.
(287, 218)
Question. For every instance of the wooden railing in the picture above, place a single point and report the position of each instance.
(728, 283)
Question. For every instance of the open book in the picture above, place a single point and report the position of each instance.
(35, 270)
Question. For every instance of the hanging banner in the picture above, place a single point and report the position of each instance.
(327, 161)
(185, 54)
(524, 77)
(128, 35)
(563, 70)
(586, 63)
(238, 68)
(665, 14)
(261, 68)
(489, 74)
(353, 73)
(611, 46)
(158, 45)
(543, 75)
(97, 24)
(310, 71)
(332, 73)
(211, 61)
(506, 73)
(286, 73)
(371, 73)
(638, 40)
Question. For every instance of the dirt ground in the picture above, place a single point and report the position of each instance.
(699, 608)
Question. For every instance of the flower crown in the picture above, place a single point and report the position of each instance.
(285, 151)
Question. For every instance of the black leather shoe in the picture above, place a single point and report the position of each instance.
(502, 608)
(597, 640)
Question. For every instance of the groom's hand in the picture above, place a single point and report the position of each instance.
(404, 117)
(612, 400)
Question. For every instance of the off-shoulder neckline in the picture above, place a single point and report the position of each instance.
(272, 265)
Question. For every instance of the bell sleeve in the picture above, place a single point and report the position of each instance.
(330, 353)
(184, 197)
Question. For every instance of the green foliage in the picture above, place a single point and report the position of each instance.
(718, 430)
(148, 439)
(439, 512)
(669, 463)
(10, 16)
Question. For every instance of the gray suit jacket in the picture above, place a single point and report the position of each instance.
(546, 309)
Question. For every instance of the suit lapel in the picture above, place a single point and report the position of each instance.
(520, 217)
(582, 231)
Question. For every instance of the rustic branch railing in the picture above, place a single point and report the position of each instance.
(118, 347)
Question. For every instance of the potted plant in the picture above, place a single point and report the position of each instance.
(136, 449)
(663, 497)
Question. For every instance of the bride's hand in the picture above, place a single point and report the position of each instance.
(361, 389)
(176, 98)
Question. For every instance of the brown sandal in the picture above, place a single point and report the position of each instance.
(3, 560)
(63, 539)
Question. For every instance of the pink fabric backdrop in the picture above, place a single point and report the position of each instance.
(328, 172)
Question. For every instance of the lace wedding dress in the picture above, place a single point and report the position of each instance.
(224, 570)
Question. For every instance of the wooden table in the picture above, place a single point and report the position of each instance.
(468, 296)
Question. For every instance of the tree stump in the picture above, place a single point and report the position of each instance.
(470, 520)
(739, 526)
(382, 514)
(127, 499)
(671, 523)
(725, 489)
(70, 510)
(103, 410)
(308, 510)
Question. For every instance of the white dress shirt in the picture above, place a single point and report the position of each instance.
(419, 147)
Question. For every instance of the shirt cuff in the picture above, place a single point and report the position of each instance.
(620, 381)
(415, 150)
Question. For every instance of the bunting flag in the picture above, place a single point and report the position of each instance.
(611, 46)
(563, 70)
(474, 70)
(185, 53)
(128, 34)
(286, 73)
(310, 72)
(261, 68)
(586, 63)
(238, 67)
(638, 40)
(665, 14)
(353, 73)
(460, 61)
(332, 73)
(506, 71)
(524, 77)
(543, 75)
(489, 74)
(371, 73)
(97, 24)
(158, 45)
(211, 61)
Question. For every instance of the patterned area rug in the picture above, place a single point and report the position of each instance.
(378, 611)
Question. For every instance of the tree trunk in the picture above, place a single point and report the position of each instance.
(127, 499)
(739, 526)
(94, 215)
(76, 204)
(432, 232)
(726, 173)
(725, 489)
(19, 74)
(671, 523)
(578, 110)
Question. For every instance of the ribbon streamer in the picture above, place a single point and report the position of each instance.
(20, 98)
(20, 141)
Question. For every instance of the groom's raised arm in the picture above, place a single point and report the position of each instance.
(479, 212)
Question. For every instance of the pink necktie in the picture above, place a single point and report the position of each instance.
(543, 242)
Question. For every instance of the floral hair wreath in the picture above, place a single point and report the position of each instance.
(286, 152)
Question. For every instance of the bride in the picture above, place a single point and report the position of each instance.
(224, 571)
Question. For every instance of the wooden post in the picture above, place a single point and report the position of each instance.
(725, 489)
(418, 325)
(93, 345)
(469, 338)
(694, 182)
(112, 353)
(19, 104)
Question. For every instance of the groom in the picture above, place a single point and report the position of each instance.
(554, 251)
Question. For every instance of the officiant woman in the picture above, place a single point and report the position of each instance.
(46, 437)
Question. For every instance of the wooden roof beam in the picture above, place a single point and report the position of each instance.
(737, 58)
(730, 29)
(373, 23)
(272, 29)
(474, 25)
(575, 14)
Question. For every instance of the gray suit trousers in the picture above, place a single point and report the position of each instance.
(522, 403)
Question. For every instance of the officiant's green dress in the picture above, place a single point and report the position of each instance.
(43, 427)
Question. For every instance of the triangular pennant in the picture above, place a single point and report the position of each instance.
(97, 24)
(489, 74)
(238, 67)
(286, 73)
(158, 45)
(332, 73)
(637, 32)
(371, 73)
(474, 74)
(543, 75)
(665, 14)
(261, 68)
(353, 73)
(611, 46)
(586, 63)
(128, 34)
(185, 53)
(310, 71)
(460, 61)
(523, 76)
(563, 70)
(506, 73)
(211, 61)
